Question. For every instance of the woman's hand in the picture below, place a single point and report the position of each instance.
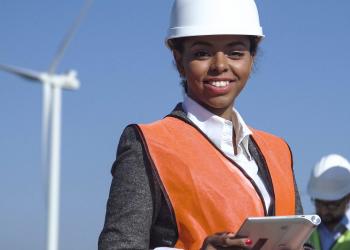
(227, 241)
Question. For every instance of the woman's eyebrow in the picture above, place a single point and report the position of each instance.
(201, 43)
(236, 43)
(231, 44)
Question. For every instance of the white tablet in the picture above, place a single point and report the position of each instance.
(279, 232)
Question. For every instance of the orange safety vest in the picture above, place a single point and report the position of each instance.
(208, 192)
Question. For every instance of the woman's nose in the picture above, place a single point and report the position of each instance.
(219, 63)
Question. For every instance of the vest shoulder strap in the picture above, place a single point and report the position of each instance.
(278, 158)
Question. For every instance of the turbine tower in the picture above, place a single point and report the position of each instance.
(52, 85)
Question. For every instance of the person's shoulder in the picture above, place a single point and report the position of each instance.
(130, 148)
(271, 141)
(133, 133)
(273, 144)
(130, 133)
(267, 136)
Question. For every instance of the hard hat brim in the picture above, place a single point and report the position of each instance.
(173, 34)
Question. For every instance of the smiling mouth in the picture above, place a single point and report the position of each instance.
(218, 84)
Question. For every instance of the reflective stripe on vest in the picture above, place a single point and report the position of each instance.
(208, 192)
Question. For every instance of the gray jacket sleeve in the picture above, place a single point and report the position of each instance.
(129, 208)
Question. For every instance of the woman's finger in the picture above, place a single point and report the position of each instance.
(244, 243)
(227, 241)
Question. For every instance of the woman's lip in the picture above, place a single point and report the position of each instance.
(218, 80)
(218, 83)
(218, 90)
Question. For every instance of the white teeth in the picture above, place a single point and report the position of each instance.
(219, 83)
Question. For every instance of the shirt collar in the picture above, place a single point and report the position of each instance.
(344, 222)
(213, 125)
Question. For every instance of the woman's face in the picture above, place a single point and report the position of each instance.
(216, 69)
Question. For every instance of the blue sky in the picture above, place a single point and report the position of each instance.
(299, 91)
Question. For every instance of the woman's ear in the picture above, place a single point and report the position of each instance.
(178, 60)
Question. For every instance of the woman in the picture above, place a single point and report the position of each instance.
(189, 180)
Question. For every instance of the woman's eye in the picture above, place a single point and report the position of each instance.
(201, 54)
(236, 54)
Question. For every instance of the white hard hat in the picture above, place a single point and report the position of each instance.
(214, 17)
(330, 178)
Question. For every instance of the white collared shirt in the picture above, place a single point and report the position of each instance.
(220, 132)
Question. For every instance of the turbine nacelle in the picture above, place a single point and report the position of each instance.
(67, 80)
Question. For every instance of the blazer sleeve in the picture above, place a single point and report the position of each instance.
(129, 212)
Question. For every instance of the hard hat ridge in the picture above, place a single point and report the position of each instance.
(214, 17)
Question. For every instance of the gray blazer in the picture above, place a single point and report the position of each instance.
(138, 216)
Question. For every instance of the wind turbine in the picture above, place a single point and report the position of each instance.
(52, 85)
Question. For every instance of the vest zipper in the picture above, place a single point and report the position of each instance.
(232, 161)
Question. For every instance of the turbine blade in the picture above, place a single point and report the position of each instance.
(68, 37)
(24, 73)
